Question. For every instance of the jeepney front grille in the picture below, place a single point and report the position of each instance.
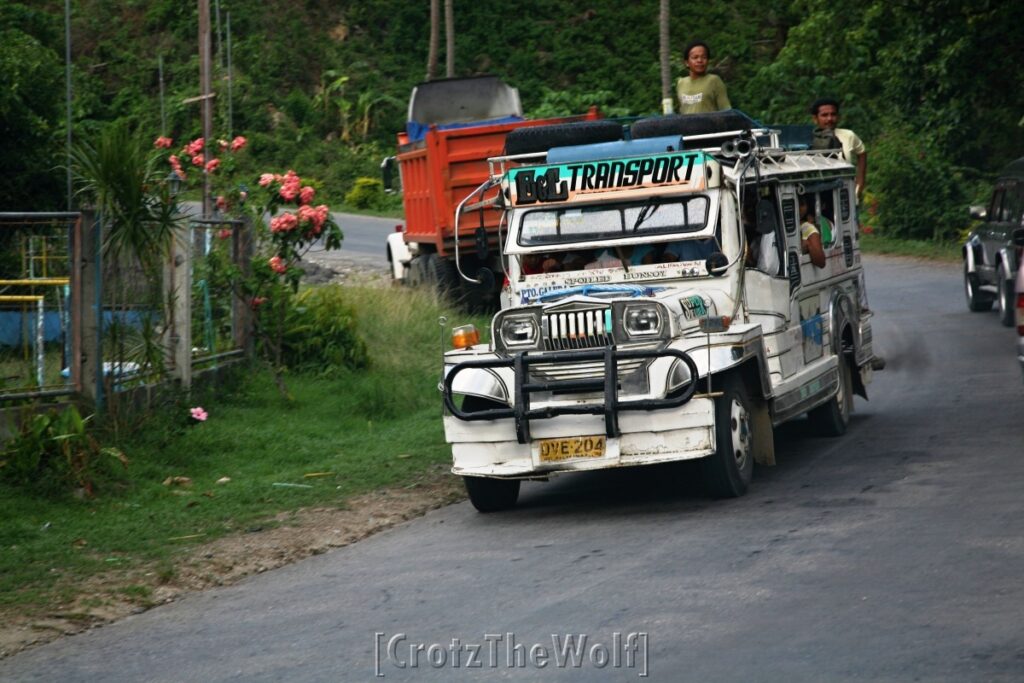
(586, 329)
(588, 370)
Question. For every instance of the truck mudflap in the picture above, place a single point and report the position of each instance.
(523, 413)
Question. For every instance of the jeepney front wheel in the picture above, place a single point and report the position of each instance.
(492, 495)
(727, 473)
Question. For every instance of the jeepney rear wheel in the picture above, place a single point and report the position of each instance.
(832, 418)
(727, 472)
(977, 300)
(492, 495)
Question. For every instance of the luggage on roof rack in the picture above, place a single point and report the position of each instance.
(693, 124)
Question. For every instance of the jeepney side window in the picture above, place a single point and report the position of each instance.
(825, 209)
(844, 203)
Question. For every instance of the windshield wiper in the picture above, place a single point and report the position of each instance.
(649, 209)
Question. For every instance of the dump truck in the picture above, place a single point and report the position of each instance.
(453, 126)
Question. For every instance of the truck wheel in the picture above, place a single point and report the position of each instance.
(543, 138)
(832, 418)
(727, 473)
(445, 276)
(491, 495)
(977, 300)
(692, 124)
(1005, 297)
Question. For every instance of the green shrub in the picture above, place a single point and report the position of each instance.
(54, 452)
(368, 193)
(918, 192)
(320, 332)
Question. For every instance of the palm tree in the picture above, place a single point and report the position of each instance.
(449, 36)
(435, 31)
(666, 68)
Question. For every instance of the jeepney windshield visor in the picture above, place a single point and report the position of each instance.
(574, 224)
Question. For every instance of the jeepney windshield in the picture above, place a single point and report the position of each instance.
(574, 224)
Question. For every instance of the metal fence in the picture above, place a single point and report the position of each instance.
(76, 323)
(40, 327)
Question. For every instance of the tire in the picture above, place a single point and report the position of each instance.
(444, 276)
(692, 124)
(727, 472)
(832, 418)
(492, 495)
(542, 138)
(1005, 297)
(977, 300)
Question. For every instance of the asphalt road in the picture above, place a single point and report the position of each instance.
(894, 553)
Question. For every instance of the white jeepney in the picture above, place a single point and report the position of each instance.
(659, 307)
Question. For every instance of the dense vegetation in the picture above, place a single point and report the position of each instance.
(321, 86)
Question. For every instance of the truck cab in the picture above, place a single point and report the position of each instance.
(658, 306)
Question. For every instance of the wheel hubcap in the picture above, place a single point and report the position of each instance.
(741, 433)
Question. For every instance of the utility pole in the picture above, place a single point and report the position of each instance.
(666, 67)
(205, 95)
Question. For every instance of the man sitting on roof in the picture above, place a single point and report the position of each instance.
(825, 113)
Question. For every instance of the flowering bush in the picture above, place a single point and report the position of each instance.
(295, 224)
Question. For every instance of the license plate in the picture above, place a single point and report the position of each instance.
(556, 450)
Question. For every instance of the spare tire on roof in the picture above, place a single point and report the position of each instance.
(542, 138)
(692, 124)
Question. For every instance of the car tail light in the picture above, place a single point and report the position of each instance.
(1020, 313)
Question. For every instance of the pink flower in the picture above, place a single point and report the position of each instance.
(266, 179)
(315, 217)
(195, 147)
(212, 165)
(222, 203)
(277, 264)
(224, 234)
(198, 160)
(290, 186)
(178, 172)
(306, 195)
(163, 142)
(258, 301)
(284, 222)
(198, 414)
(238, 143)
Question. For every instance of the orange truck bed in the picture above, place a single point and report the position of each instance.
(443, 168)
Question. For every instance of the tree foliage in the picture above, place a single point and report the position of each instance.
(321, 84)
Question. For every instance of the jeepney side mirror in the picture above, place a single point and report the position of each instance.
(766, 220)
(716, 264)
(1018, 237)
(979, 213)
(386, 173)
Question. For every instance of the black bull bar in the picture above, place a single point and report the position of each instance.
(524, 387)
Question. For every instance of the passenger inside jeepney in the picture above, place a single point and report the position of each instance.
(762, 250)
(810, 236)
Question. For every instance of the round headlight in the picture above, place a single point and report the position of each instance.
(519, 331)
(642, 321)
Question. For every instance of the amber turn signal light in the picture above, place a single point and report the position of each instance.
(465, 336)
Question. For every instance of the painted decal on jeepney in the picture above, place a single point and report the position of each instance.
(540, 283)
(812, 328)
(566, 182)
(694, 307)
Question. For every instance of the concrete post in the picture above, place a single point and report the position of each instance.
(90, 276)
(178, 298)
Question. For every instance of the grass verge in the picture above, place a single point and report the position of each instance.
(936, 251)
(343, 434)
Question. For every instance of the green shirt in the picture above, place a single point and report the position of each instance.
(704, 94)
